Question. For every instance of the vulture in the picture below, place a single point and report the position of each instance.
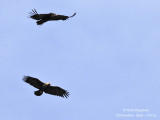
(45, 87)
(42, 18)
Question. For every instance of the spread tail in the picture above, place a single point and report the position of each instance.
(38, 92)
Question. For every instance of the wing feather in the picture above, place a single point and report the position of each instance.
(55, 90)
(33, 81)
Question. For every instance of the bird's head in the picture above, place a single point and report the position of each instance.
(52, 14)
(48, 84)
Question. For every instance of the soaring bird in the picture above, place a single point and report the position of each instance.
(45, 87)
(42, 18)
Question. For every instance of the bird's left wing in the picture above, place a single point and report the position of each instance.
(34, 15)
(55, 90)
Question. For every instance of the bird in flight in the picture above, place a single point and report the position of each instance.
(42, 18)
(45, 87)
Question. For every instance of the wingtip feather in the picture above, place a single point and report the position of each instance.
(25, 78)
(66, 95)
(73, 15)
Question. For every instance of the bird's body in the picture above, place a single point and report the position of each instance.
(45, 87)
(40, 91)
(42, 18)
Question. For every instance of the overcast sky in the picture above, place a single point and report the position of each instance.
(107, 57)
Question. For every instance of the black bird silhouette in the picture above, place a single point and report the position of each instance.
(45, 87)
(42, 18)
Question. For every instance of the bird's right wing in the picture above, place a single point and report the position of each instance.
(33, 81)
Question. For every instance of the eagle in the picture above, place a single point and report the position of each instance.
(45, 87)
(42, 18)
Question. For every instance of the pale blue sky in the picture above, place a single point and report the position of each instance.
(107, 57)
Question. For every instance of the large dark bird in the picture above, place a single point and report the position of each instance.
(45, 87)
(42, 18)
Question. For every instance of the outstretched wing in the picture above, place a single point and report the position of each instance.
(33, 81)
(55, 90)
(34, 15)
(61, 17)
